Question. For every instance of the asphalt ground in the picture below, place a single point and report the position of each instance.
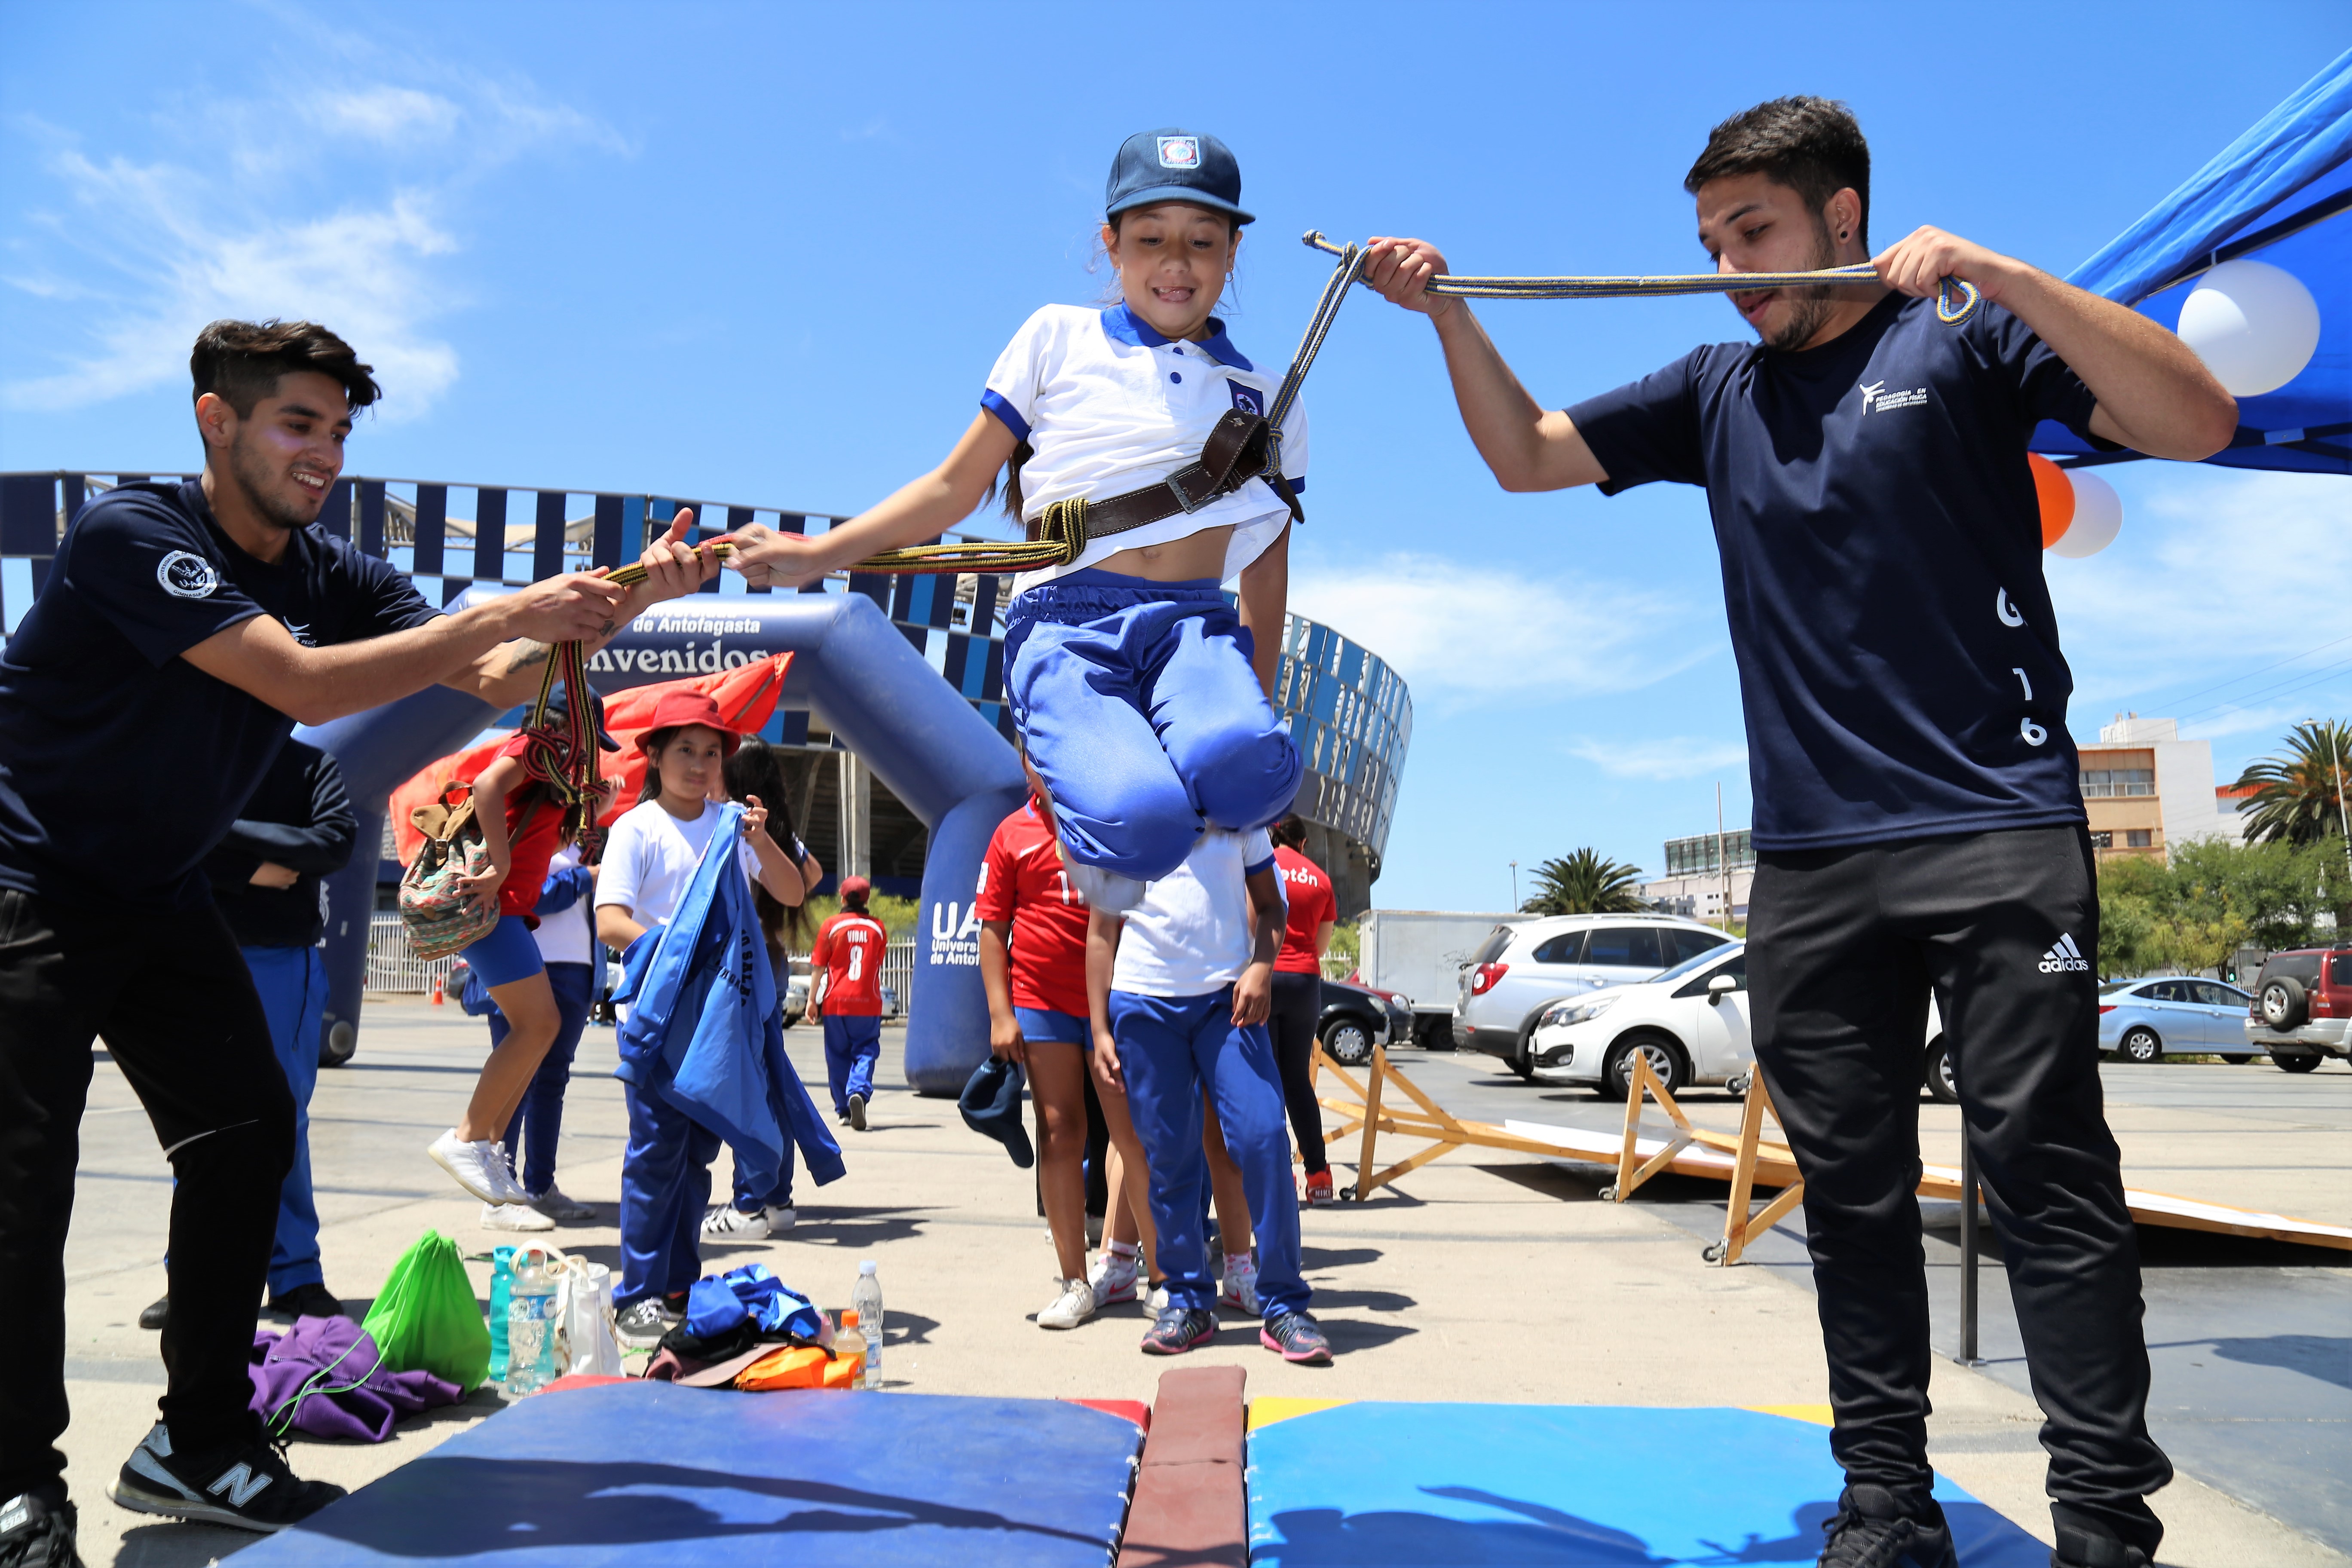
(1483, 1276)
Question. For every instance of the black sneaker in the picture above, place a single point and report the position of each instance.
(2081, 1548)
(1299, 1338)
(156, 1313)
(1178, 1330)
(311, 1300)
(37, 1531)
(245, 1486)
(1872, 1528)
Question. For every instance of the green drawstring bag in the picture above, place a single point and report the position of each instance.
(426, 1319)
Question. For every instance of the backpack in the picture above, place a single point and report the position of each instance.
(433, 906)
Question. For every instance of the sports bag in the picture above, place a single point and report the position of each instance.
(441, 920)
(426, 1319)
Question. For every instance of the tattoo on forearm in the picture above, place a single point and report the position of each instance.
(531, 652)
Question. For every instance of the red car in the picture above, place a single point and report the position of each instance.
(2302, 1012)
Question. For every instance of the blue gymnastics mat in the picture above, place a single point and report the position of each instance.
(1366, 1484)
(650, 1474)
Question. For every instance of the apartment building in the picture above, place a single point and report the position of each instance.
(2146, 789)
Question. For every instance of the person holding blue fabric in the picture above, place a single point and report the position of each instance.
(1143, 697)
(1178, 991)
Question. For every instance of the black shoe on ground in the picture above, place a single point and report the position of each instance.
(857, 1111)
(311, 1300)
(1874, 1529)
(2080, 1548)
(244, 1486)
(156, 1313)
(37, 1531)
(1178, 1330)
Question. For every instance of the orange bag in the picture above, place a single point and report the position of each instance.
(799, 1366)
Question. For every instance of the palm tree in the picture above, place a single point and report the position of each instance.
(2297, 794)
(1584, 883)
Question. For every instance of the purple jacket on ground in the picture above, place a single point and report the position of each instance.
(350, 1393)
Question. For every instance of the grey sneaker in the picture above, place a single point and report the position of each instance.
(244, 1486)
(556, 1207)
(857, 1111)
(643, 1322)
(37, 1531)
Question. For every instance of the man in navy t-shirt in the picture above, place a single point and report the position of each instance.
(182, 630)
(1918, 822)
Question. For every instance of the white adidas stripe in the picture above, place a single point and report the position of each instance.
(2066, 941)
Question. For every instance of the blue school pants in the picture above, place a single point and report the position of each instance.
(1137, 705)
(541, 1114)
(1172, 1049)
(665, 1187)
(292, 984)
(850, 1046)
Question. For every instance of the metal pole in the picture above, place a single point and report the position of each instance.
(1722, 865)
(2343, 813)
(1968, 1356)
(1515, 886)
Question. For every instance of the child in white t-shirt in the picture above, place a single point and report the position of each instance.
(1180, 990)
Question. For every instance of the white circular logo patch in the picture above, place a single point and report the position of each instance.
(187, 576)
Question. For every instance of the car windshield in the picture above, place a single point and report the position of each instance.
(1712, 955)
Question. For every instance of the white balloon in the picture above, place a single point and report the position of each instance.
(2254, 325)
(2098, 516)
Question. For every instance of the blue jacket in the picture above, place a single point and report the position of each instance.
(703, 1030)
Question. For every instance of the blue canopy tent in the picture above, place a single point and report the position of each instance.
(2280, 194)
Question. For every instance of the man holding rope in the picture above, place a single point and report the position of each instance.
(183, 631)
(1919, 818)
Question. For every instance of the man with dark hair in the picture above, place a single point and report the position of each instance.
(1918, 820)
(183, 631)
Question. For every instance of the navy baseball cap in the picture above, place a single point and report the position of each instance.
(1173, 165)
(990, 1104)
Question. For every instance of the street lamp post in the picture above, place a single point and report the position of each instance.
(2342, 816)
(1515, 886)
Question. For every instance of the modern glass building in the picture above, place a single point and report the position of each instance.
(1349, 712)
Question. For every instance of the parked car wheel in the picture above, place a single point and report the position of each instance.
(342, 1044)
(2141, 1045)
(2296, 1061)
(1665, 1064)
(1346, 1042)
(2286, 1004)
(1942, 1087)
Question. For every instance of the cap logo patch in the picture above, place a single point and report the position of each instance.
(1179, 152)
(186, 576)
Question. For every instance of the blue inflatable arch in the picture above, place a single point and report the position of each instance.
(856, 673)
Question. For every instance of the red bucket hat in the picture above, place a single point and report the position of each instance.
(676, 710)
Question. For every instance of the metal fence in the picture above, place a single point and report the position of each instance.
(897, 978)
(391, 960)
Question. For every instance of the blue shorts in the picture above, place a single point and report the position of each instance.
(1045, 1024)
(505, 954)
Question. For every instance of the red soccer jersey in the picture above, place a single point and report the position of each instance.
(850, 948)
(1312, 902)
(1022, 880)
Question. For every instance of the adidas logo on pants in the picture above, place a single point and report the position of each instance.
(2064, 958)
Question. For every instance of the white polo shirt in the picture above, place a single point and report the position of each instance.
(1110, 405)
(1191, 935)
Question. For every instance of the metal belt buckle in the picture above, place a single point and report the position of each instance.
(1183, 500)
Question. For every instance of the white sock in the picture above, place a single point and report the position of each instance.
(1127, 1252)
(1239, 1261)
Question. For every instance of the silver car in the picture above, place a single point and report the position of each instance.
(2146, 1020)
(1522, 968)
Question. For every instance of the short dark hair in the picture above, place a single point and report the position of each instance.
(1290, 833)
(1813, 145)
(240, 362)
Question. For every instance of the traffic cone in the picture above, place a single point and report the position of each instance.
(437, 991)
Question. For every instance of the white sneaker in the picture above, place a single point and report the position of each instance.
(1155, 1306)
(726, 1222)
(514, 1216)
(1106, 891)
(781, 1220)
(1073, 1306)
(1113, 1279)
(479, 1168)
(1240, 1291)
(555, 1205)
(502, 1172)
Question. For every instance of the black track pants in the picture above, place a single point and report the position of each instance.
(1298, 1007)
(169, 995)
(2004, 928)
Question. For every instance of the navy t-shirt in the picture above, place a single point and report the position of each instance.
(121, 764)
(1882, 565)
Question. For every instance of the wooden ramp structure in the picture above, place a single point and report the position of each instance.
(1746, 1159)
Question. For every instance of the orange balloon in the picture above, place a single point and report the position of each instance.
(2057, 493)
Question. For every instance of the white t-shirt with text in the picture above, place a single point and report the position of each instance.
(1191, 935)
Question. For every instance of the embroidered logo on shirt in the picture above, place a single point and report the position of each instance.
(2064, 958)
(186, 576)
(1876, 397)
(1248, 399)
(1179, 152)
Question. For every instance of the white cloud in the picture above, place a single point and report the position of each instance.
(1463, 634)
(1680, 757)
(388, 114)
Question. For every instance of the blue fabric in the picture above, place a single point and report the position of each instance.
(754, 1192)
(850, 1046)
(665, 1188)
(716, 1304)
(1046, 1024)
(565, 886)
(503, 955)
(1138, 704)
(1881, 540)
(292, 984)
(1174, 1049)
(539, 1119)
(703, 1031)
(996, 403)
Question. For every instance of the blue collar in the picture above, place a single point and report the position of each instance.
(1125, 326)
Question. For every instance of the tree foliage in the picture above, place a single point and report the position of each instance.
(2298, 794)
(1585, 883)
(2213, 900)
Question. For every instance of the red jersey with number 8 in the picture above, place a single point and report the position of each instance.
(850, 948)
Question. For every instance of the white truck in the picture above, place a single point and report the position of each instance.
(1418, 954)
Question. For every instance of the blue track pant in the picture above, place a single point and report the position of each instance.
(850, 1046)
(1173, 1049)
(1138, 704)
(541, 1114)
(292, 984)
(665, 1187)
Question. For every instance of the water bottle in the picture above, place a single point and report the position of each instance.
(850, 1340)
(530, 1326)
(501, 1294)
(865, 1301)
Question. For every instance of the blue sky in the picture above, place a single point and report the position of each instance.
(768, 253)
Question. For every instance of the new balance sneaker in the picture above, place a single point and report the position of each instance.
(725, 1222)
(1873, 1528)
(857, 1111)
(1180, 1328)
(244, 1486)
(643, 1322)
(1318, 1190)
(311, 1300)
(1113, 1279)
(556, 1207)
(479, 1168)
(37, 1531)
(1073, 1306)
(515, 1216)
(1296, 1338)
(1240, 1288)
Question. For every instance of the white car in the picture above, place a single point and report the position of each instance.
(1690, 1022)
(1524, 967)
